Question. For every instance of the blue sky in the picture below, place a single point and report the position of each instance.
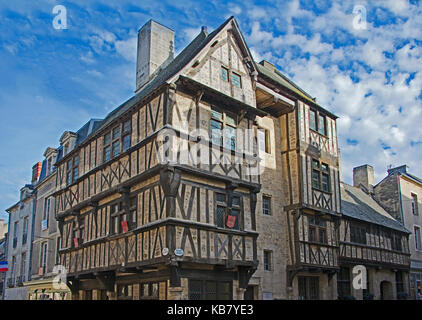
(56, 80)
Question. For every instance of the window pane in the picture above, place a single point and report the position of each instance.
(321, 124)
(76, 161)
(312, 120)
(220, 216)
(126, 142)
(235, 201)
(322, 236)
(126, 126)
(116, 133)
(266, 206)
(107, 154)
(312, 235)
(221, 197)
(230, 120)
(315, 179)
(315, 164)
(224, 74)
(216, 132)
(216, 114)
(107, 138)
(261, 140)
(236, 80)
(211, 290)
(230, 138)
(194, 290)
(325, 184)
(224, 291)
(116, 148)
(75, 174)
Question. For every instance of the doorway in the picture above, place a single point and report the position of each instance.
(249, 293)
(386, 290)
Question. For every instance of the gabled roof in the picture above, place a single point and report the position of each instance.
(359, 205)
(175, 66)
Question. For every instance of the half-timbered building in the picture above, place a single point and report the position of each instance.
(372, 238)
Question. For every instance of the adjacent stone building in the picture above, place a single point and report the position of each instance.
(371, 237)
(400, 193)
(19, 248)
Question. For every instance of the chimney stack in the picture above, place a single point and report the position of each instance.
(155, 51)
(363, 176)
(36, 171)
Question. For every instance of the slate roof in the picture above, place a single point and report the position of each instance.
(357, 204)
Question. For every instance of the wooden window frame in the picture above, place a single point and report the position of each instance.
(226, 70)
(414, 204)
(416, 232)
(317, 224)
(321, 173)
(269, 210)
(268, 255)
(72, 170)
(358, 233)
(124, 131)
(267, 140)
(122, 215)
(224, 124)
(43, 256)
(224, 204)
(235, 74)
(150, 295)
(344, 283)
(317, 128)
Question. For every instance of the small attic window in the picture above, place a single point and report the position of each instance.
(49, 161)
(236, 80)
(214, 44)
(224, 74)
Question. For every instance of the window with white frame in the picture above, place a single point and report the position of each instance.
(417, 233)
(46, 213)
(414, 199)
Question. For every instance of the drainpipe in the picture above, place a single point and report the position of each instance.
(34, 207)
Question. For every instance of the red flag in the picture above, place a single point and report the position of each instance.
(231, 220)
(124, 226)
(75, 242)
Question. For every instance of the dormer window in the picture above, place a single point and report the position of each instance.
(49, 161)
(66, 149)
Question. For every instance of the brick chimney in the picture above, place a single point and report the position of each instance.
(36, 171)
(363, 176)
(155, 51)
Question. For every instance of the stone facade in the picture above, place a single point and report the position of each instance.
(19, 244)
